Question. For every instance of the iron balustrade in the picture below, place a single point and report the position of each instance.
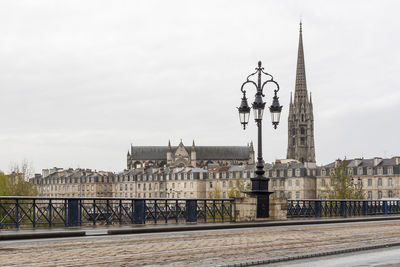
(16, 212)
(341, 208)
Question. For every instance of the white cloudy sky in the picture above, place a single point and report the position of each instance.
(82, 80)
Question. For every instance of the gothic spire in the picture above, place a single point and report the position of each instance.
(301, 84)
(301, 118)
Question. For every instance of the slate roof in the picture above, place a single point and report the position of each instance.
(202, 152)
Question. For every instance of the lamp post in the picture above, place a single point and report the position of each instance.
(259, 184)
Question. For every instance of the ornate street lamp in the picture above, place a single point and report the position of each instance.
(259, 184)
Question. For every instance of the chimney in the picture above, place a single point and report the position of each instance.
(377, 160)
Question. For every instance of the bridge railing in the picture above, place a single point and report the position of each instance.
(16, 212)
(341, 208)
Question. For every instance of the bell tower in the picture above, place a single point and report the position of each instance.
(301, 118)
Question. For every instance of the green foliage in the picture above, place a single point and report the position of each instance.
(15, 185)
(5, 185)
(215, 193)
(342, 186)
(236, 188)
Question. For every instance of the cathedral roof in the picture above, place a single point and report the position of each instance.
(202, 152)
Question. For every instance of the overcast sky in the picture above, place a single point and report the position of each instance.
(82, 80)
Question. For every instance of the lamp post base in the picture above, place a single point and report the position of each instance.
(262, 202)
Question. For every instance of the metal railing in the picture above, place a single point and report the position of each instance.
(16, 212)
(341, 208)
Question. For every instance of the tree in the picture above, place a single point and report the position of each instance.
(215, 193)
(16, 183)
(342, 185)
(5, 185)
(236, 188)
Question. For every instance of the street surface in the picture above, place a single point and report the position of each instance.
(379, 257)
(197, 248)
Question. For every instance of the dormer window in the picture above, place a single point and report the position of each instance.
(360, 171)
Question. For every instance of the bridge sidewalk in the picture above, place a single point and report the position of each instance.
(58, 232)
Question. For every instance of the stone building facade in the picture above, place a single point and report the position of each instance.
(289, 179)
(58, 182)
(378, 177)
(193, 156)
(301, 117)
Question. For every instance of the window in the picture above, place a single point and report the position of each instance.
(323, 182)
(369, 171)
(191, 185)
(379, 194)
(390, 194)
(390, 182)
(224, 184)
(297, 195)
(390, 170)
(379, 181)
(184, 185)
(290, 182)
(290, 173)
(273, 182)
(282, 183)
(369, 182)
(281, 195)
(126, 187)
(302, 141)
(380, 171)
(302, 131)
(323, 172)
(290, 195)
(144, 186)
(297, 183)
(211, 185)
(297, 172)
(369, 194)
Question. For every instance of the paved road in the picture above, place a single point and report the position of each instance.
(379, 257)
(200, 248)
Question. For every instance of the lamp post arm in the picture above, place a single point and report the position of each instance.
(271, 81)
(246, 82)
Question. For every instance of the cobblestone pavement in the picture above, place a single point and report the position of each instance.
(200, 248)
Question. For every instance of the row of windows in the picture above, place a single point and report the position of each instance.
(360, 171)
(380, 194)
(282, 182)
(359, 181)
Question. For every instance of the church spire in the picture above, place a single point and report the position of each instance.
(301, 84)
(301, 118)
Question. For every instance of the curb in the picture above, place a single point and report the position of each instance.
(307, 256)
(241, 225)
(41, 235)
(192, 227)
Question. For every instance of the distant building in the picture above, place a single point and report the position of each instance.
(301, 118)
(58, 182)
(379, 178)
(194, 156)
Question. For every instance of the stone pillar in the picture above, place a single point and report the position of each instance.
(277, 209)
(246, 209)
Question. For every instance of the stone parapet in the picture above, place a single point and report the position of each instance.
(246, 209)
